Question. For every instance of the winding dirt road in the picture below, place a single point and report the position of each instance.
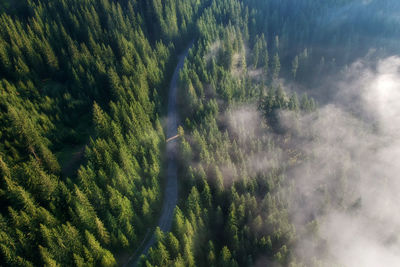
(171, 185)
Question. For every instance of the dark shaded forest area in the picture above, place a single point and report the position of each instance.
(83, 95)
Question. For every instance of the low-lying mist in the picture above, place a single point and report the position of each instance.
(346, 180)
(347, 185)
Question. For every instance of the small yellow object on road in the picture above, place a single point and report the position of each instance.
(172, 138)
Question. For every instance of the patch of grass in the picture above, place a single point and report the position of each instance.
(71, 154)
(4, 5)
(68, 151)
(11, 6)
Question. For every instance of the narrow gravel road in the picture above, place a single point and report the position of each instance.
(171, 185)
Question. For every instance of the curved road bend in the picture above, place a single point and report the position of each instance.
(171, 186)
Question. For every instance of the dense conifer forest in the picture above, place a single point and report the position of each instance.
(83, 96)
